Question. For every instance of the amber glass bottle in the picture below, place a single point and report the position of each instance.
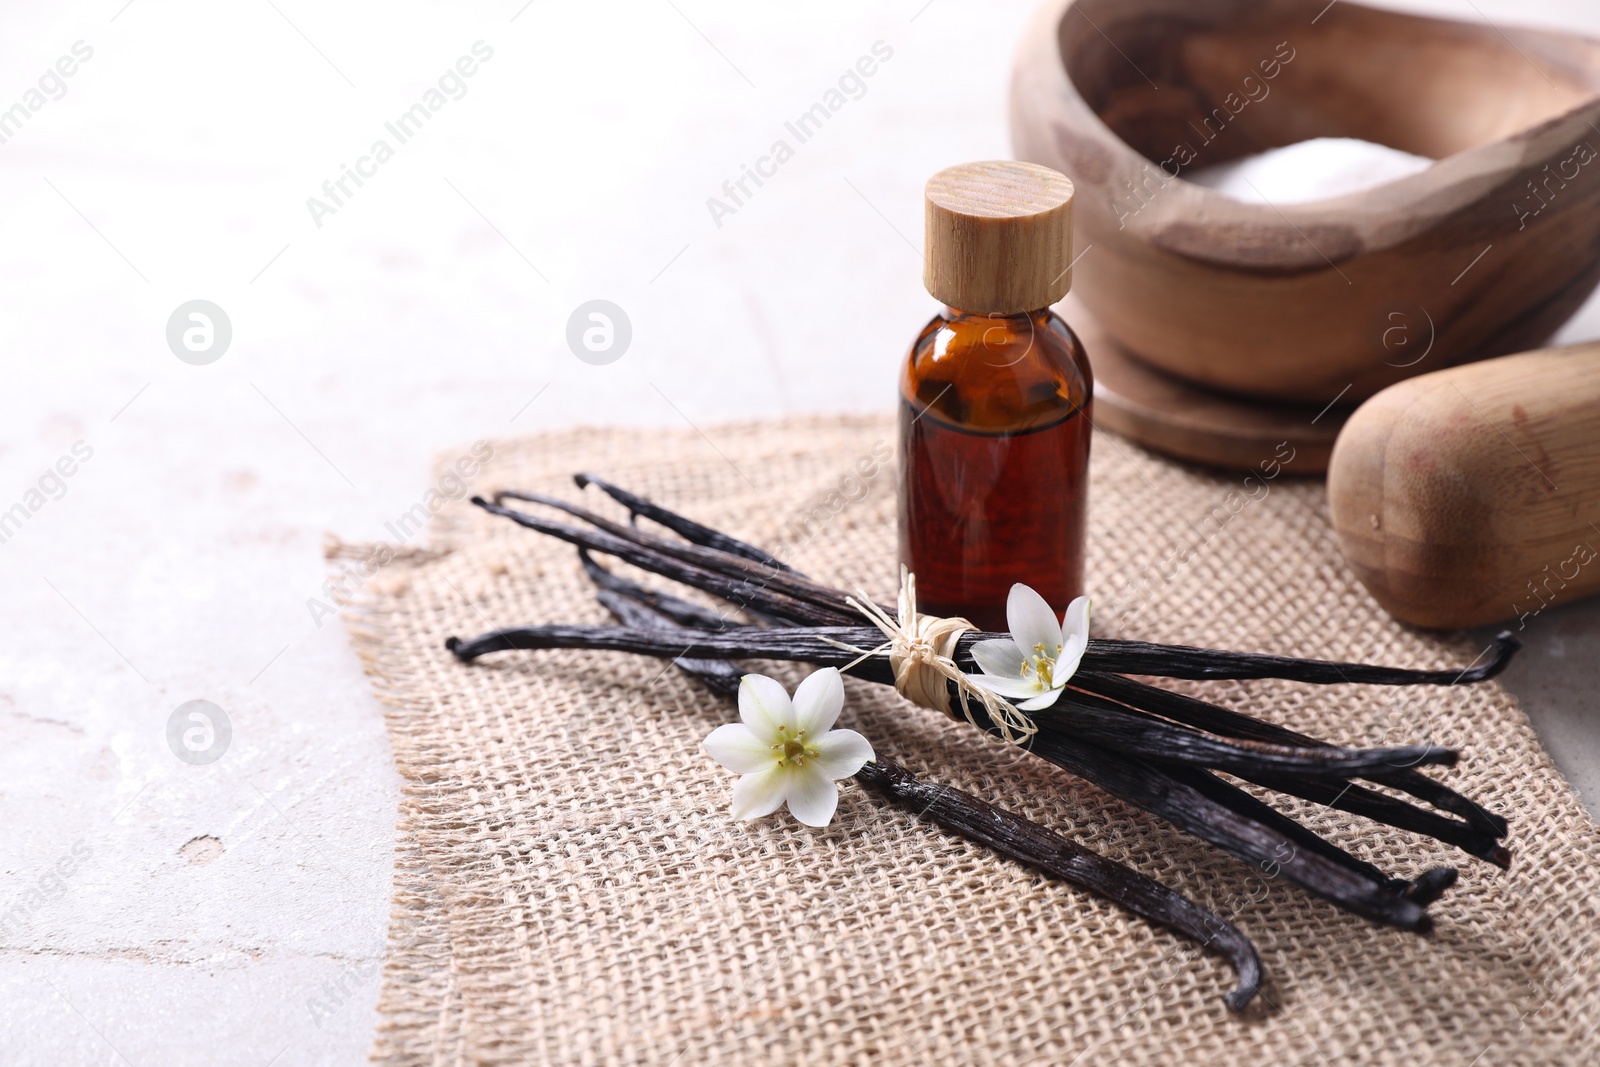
(995, 400)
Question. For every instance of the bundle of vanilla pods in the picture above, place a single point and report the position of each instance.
(1153, 748)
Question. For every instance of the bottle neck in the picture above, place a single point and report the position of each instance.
(954, 313)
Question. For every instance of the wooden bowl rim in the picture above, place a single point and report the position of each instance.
(1373, 212)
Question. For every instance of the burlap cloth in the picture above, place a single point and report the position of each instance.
(571, 889)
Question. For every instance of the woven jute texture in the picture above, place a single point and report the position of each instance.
(572, 890)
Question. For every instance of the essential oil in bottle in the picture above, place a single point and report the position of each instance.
(995, 399)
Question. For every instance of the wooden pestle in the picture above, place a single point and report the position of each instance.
(1472, 494)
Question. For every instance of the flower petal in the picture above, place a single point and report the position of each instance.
(764, 706)
(841, 753)
(817, 701)
(1040, 702)
(760, 794)
(813, 797)
(736, 747)
(1071, 655)
(1074, 640)
(1014, 688)
(999, 656)
(1033, 623)
(1076, 620)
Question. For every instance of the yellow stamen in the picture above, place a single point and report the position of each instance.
(795, 750)
(1041, 665)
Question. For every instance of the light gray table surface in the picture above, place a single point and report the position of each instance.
(235, 912)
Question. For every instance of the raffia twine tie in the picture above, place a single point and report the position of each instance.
(921, 650)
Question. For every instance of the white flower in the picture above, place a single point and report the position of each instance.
(787, 750)
(1039, 657)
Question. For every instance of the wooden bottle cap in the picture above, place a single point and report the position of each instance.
(999, 237)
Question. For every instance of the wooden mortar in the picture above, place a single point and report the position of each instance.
(1342, 296)
(1472, 494)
